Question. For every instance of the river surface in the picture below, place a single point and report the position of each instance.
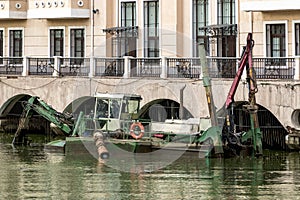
(31, 173)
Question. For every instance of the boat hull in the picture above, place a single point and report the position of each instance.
(86, 145)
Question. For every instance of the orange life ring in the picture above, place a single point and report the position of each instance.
(137, 130)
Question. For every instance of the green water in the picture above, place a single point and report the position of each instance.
(30, 173)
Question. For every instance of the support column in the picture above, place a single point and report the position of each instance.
(56, 66)
(126, 67)
(164, 68)
(92, 67)
(25, 71)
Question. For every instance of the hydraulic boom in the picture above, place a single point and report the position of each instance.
(62, 121)
(254, 133)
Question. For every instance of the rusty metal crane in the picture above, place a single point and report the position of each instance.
(254, 134)
(234, 142)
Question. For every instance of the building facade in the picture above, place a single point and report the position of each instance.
(147, 28)
(115, 28)
(275, 26)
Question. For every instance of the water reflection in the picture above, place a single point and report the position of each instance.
(31, 173)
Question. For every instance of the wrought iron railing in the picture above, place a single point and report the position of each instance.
(11, 66)
(145, 67)
(222, 67)
(183, 67)
(41, 66)
(274, 68)
(109, 66)
(74, 66)
(265, 68)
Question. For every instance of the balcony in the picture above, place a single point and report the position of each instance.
(184, 68)
(57, 9)
(269, 5)
(12, 9)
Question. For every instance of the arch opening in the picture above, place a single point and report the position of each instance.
(296, 117)
(38, 128)
(273, 133)
(160, 110)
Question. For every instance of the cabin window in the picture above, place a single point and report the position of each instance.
(151, 28)
(114, 108)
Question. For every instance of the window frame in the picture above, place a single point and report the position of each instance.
(134, 20)
(147, 38)
(63, 41)
(196, 25)
(9, 42)
(265, 23)
(294, 40)
(2, 42)
(72, 52)
(224, 45)
(220, 16)
(121, 42)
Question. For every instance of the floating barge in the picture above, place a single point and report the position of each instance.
(115, 123)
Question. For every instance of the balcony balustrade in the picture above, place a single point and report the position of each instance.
(109, 67)
(145, 67)
(184, 67)
(265, 68)
(74, 66)
(40, 66)
(11, 66)
(274, 68)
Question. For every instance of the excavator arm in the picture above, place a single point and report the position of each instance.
(254, 134)
(62, 121)
(235, 141)
(246, 59)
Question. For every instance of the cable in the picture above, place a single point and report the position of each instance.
(33, 88)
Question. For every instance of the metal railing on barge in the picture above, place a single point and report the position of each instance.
(129, 67)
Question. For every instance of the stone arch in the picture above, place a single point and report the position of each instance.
(272, 130)
(11, 111)
(159, 92)
(13, 105)
(84, 103)
(296, 117)
(162, 109)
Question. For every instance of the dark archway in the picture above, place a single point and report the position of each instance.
(272, 131)
(86, 104)
(161, 109)
(11, 111)
(38, 129)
